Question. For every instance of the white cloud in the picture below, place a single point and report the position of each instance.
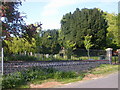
(52, 25)
(59, 3)
(53, 5)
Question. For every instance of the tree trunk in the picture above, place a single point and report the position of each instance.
(88, 54)
(69, 52)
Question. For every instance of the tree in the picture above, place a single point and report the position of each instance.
(19, 45)
(12, 21)
(118, 23)
(31, 31)
(112, 35)
(88, 45)
(13, 24)
(82, 22)
(48, 42)
(118, 20)
(69, 46)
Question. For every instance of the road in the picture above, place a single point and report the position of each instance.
(110, 81)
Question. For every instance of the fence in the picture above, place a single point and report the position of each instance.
(80, 54)
(93, 52)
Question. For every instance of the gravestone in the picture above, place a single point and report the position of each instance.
(47, 55)
(25, 53)
(31, 53)
(55, 56)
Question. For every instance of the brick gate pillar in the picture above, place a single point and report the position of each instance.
(109, 54)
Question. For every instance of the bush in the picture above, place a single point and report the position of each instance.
(64, 75)
(12, 80)
(20, 78)
(20, 58)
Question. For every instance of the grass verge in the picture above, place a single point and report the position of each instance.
(104, 69)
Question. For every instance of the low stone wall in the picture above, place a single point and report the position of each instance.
(74, 65)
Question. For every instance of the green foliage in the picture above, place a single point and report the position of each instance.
(82, 22)
(118, 28)
(105, 69)
(14, 24)
(19, 78)
(39, 74)
(20, 58)
(74, 27)
(112, 35)
(69, 46)
(31, 31)
(64, 75)
(87, 42)
(19, 45)
(48, 42)
(115, 59)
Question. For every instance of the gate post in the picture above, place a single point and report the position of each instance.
(2, 61)
(118, 50)
(109, 54)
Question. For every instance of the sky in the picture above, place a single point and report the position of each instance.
(50, 12)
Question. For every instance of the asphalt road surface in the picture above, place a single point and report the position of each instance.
(110, 81)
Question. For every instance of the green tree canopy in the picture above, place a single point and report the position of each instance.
(82, 22)
(19, 45)
(88, 44)
(112, 35)
(48, 42)
(13, 24)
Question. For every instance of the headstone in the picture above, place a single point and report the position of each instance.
(25, 53)
(109, 54)
(55, 56)
(31, 54)
(47, 55)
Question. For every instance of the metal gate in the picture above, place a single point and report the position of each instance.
(116, 57)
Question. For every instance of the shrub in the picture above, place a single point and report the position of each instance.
(20, 58)
(12, 80)
(20, 78)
